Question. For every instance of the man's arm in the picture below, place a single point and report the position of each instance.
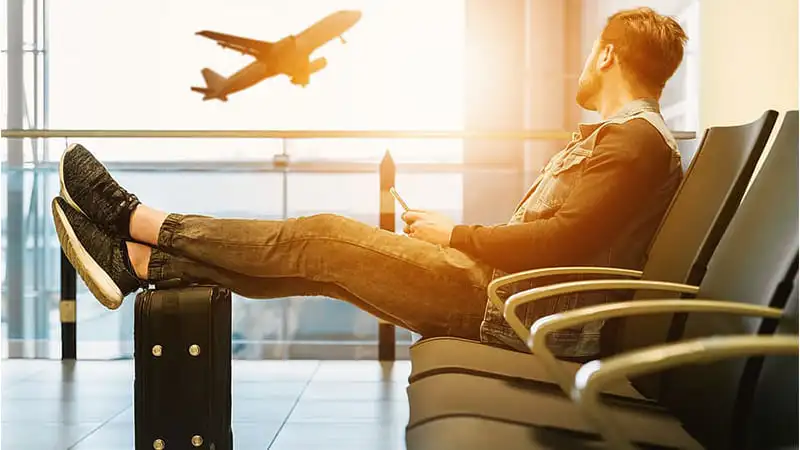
(629, 162)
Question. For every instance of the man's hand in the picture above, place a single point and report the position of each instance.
(428, 226)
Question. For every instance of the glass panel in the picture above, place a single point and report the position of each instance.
(181, 152)
(290, 327)
(30, 326)
(675, 90)
(28, 18)
(687, 149)
(3, 105)
(372, 150)
(440, 192)
(252, 195)
(139, 80)
(139, 77)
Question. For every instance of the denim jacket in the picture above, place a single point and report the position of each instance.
(554, 184)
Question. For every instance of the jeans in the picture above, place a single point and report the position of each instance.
(425, 288)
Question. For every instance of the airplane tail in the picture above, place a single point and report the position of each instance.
(213, 83)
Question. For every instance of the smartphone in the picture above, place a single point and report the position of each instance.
(397, 197)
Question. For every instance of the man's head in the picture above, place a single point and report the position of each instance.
(637, 52)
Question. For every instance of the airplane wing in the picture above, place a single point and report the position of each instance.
(247, 46)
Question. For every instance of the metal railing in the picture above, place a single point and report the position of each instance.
(386, 169)
(307, 134)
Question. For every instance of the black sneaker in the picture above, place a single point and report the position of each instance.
(88, 187)
(100, 259)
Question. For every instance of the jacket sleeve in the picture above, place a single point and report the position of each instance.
(629, 162)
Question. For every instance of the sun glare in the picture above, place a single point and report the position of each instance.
(400, 69)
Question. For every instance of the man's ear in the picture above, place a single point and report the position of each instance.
(606, 58)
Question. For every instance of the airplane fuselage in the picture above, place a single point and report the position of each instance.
(289, 56)
(248, 76)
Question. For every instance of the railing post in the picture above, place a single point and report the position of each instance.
(68, 310)
(15, 185)
(386, 332)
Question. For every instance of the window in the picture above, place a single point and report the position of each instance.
(130, 65)
(681, 95)
(400, 69)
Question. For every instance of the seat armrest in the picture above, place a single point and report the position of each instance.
(539, 293)
(498, 283)
(539, 331)
(593, 376)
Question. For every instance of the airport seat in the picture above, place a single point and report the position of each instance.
(519, 417)
(739, 377)
(774, 396)
(779, 351)
(764, 229)
(706, 200)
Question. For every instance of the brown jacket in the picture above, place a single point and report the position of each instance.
(598, 202)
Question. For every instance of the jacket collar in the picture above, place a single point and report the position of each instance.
(629, 109)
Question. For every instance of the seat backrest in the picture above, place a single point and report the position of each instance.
(755, 262)
(707, 199)
(761, 240)
(700, 211)
(768, 419)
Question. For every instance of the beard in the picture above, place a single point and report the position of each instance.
(588, 87)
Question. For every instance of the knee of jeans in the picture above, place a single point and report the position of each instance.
(323, 220)
(326, 223)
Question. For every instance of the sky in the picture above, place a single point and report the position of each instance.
(122, 65)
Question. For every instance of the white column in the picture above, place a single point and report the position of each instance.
(494, 99)
(551, 76)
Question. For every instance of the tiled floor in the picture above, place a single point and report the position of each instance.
(276, 404)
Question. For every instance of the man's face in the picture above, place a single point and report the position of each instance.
(590, 81)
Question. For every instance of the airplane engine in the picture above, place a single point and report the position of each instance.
(302, 78)
(317, 65)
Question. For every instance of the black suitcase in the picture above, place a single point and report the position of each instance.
(182, 358)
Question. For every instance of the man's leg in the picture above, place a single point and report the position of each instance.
(417, 285)
(420, 285)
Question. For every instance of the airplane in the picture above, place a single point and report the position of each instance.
(290, 56)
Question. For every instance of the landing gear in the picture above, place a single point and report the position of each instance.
(341, 38)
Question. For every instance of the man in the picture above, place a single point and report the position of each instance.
(597, 202)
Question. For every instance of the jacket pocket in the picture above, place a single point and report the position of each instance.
(573, 161)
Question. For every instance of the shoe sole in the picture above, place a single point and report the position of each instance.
(63, 191)
(97, 280)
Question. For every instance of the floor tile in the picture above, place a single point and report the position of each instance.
(37, 436)
(123, 418)
(276, 404)
(69, 390)
(363, 371)
(343, 412)
(109, 436)
(256, 436)
(355, 390)
(266, 410)
(252, 390)
(65, 412)
(87, 371)
(297, 371)
(361, 436)
(13, 370)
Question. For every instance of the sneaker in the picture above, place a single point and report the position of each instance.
(100, 259)
(88, 187)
